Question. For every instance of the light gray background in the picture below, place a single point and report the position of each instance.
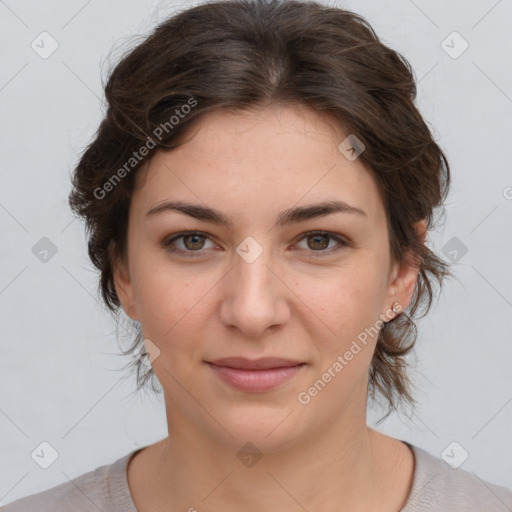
(59, 382)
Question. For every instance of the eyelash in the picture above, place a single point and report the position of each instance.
(343, 243)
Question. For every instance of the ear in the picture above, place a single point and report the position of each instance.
(123, 283)
(404, 276)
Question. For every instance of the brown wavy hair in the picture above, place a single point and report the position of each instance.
(247, 54)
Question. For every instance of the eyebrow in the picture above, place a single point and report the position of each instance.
(289, 216)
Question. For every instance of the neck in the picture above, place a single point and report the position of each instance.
(347, 467)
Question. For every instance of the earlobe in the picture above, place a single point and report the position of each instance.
(401, 288)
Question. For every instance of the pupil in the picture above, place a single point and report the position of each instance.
(324, 245)
(193, 243)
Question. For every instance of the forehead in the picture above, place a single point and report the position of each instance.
(259, 160)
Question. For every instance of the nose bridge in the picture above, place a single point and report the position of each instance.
(252, 270)
(253, 300)
(252, 275)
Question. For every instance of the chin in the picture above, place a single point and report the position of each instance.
(268, 428)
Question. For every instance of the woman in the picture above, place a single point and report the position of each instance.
(258, 199)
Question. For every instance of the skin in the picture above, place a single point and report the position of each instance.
(288, 302)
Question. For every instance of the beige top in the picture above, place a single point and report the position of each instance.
(436, 487)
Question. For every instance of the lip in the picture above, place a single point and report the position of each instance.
(264, 363)
(256, 375)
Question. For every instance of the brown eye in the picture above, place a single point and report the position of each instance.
(193, 242)
(318, 243)
(189, 244)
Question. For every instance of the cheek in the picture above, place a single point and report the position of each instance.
(344, 358)
(172, 308)
(350, 308)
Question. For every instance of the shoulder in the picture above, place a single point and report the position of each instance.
(437, 487)
(104, 488)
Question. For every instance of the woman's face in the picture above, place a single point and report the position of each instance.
(261, 286)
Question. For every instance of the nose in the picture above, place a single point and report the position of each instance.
(255, 296)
